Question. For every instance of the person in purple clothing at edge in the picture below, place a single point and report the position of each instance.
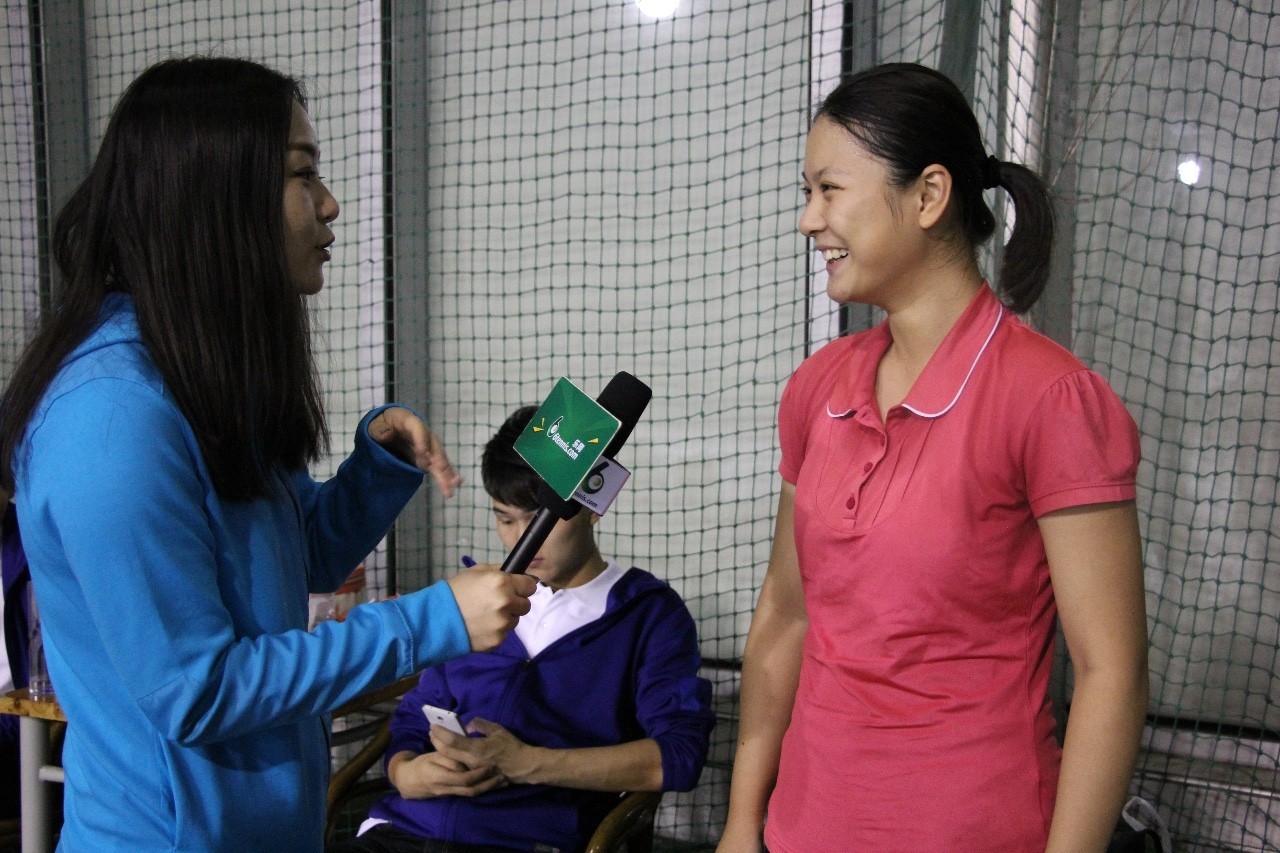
(13, 563)
(595, 692)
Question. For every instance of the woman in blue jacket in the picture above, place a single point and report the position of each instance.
(157, 431)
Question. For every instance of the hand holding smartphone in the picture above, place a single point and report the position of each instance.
(442, 717)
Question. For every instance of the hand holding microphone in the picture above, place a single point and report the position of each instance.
(491, 603)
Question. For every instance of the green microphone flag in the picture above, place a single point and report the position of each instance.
(565, 438)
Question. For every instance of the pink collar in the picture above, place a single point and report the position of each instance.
(945, 376)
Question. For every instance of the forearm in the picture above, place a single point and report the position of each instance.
(633, 766)
(399, 779)
(347, 515)
(1104, 729)
(770, 675)
(769, 680)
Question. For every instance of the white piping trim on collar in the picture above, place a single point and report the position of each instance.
(972, 367)
(843, 414)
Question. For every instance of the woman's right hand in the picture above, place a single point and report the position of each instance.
(491, 602)
(420, 777)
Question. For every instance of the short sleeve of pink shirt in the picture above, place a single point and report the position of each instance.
(1082, 446)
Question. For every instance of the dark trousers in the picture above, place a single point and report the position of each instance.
(385, 838)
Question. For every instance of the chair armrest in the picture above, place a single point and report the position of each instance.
(374, 710)
(349, 773)
(630, 822)
(378, 695)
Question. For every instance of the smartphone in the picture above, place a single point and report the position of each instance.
(447, 719)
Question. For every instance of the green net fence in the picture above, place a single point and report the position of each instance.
(1177, 262)
(536, 189)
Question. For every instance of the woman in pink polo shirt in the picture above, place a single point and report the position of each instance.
(952, 482)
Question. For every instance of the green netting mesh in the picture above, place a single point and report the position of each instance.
(19, 241)
(537, 189)
(1176, 299)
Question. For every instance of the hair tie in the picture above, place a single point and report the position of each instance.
(990, 172)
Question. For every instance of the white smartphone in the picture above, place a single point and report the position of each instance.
(447, 719)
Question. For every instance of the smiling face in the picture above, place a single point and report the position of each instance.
(309, 207)
(864, 226)
(567, 558)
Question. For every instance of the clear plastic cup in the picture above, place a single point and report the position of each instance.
(38, 684)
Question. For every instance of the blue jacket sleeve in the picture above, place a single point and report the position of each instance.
(197, 606)
(346, 516)
(673, 703)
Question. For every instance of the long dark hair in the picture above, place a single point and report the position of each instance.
(183, 211)
(910, 117)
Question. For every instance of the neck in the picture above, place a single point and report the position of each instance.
(919, 325)
(917, 328)
(586, 573)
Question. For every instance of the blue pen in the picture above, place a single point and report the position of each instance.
(467, 562)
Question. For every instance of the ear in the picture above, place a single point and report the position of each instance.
(933, 192)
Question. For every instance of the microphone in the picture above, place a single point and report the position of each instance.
(626, 398)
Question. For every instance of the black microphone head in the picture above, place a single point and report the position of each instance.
(626, 398)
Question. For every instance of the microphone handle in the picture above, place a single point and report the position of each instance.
(530, 541)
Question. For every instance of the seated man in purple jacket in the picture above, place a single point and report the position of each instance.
(596, 691)
(13, 569)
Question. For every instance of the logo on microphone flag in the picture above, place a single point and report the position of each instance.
(602, 485)
(566, 436)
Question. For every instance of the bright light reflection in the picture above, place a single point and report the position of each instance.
(658, 8)
(1189, 172)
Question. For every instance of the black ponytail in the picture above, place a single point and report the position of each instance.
(1025, 269)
